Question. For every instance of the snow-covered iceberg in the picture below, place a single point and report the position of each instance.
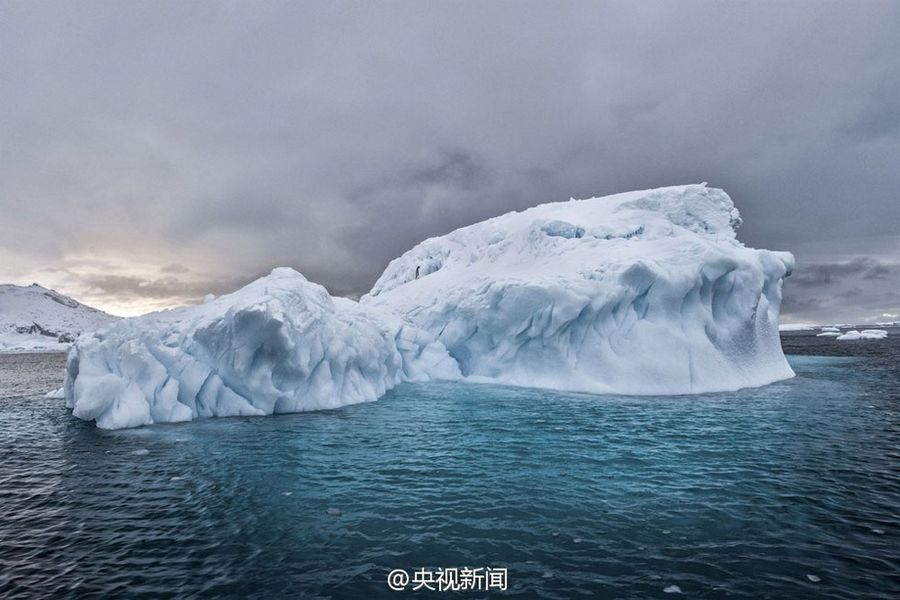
(639, 293)
(645, 292)
(865, 334)
(281, 344)
(796, 327)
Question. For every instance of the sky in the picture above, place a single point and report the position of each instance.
(153, 152)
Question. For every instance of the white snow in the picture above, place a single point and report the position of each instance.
(281, 344)
(865, 334)
(830, 328)
(797, 327)
(672, 589)
(833, 334)
(37, 319)
(640, 293)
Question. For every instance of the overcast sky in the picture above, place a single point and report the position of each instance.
(152, 152)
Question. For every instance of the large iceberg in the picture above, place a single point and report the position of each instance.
(639, 293)
(645, 292)
(281, 344)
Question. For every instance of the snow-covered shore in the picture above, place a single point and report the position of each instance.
(36, 319)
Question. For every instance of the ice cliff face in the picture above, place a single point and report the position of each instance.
(281, 344)
(639, 293)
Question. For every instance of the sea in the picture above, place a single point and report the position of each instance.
(455, 490)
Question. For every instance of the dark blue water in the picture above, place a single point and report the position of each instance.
(789, 491)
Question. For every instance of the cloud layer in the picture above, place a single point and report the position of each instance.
(151, 152)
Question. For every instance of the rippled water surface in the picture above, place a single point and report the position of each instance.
(789, 491)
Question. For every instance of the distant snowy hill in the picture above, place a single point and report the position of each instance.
(34, 318)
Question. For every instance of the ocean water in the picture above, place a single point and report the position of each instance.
(788, 491)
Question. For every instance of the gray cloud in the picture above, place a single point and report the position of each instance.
(860, 289)
(229, 138)
(861, 267)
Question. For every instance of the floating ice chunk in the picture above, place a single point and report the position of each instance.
(56, 394)
(866, 334)
(672, 589)
(830, 329)
(814, 578)
(829, 334)
(796, 327)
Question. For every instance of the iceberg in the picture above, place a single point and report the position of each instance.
(865, 334)
(640, 293)
(796, 327)
(646, 292)
(280, 344)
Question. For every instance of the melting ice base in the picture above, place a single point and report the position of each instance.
(639, 293)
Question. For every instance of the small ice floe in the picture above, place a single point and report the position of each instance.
(547, 575)
(796, 327)
(829, 334)
(830, 329)
(865, 334)
(176, 478)
(56, 394)
(672, 589)
(577, 540)
(878, 531)
(666, 532)
(140, 452)
(813, 578)
(555, 534)
(334, 512)
(286, 493)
